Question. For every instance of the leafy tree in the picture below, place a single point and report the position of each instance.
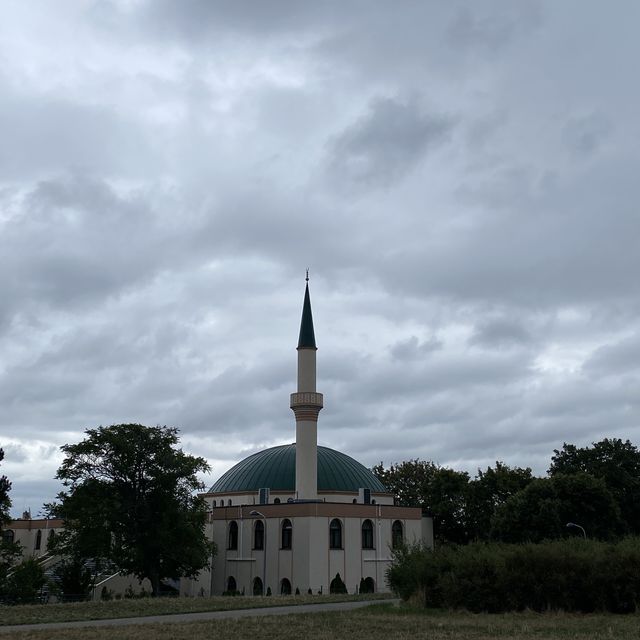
(73, 579)
(544, 507)
(616, 462)
(25, 583)
(5, 500)
(9, 551)
(438, 490)
(487, 491)
(129, 499)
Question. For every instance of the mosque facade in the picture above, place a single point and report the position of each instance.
(291, 518)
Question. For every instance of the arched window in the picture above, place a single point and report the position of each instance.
(38, 540)
(367, 585)
(213, 504)
(257, 586)
(258, 535)
(229, 502)
(233, 535)
(8, 536)
(51, 539)
(276, 501)
(335, 534)
(287, 534)
(285, 587)
(231, 584)
(367, 534)
(396, 534)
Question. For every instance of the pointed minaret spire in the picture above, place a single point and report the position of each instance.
(307, 339)
(306, 405)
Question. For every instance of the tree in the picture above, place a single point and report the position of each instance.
(487, 491)
(543, 508)
(25, 583)
(617, 463)
(9, 551)
(5, 500)
(438, 490)
(129, 499)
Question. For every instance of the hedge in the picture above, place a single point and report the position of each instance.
(568, 575)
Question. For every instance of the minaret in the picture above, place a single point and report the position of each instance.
(306, 405)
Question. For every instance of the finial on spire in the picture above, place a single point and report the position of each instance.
(307, 278)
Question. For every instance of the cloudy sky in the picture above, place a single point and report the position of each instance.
(461, 178)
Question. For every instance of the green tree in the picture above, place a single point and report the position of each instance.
(617, 463)
(487, 491)
(543, 508)
(438, 490)
(129, 499)
(9, 551)
(5, 500)
(25, 583)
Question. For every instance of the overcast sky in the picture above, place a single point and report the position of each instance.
(461, 178)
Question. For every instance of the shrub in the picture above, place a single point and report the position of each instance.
(570, 575)
(337, 585)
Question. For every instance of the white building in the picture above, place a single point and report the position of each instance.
(294, 516)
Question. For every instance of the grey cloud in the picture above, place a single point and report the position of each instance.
(500, 333)
(386, 143)
(492, 27)
(584, 135)
(53, 135)
(412, 348)
(615, 359)
(169, 171)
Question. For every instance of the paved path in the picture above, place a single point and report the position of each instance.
(203, 615)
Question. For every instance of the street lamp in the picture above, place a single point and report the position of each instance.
(255, 514)
(577, 526)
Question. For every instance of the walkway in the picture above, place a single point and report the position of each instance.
(195, 617)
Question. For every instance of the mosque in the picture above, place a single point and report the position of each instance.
(293, 517)
(287, 519)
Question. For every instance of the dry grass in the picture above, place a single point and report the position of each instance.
(380, 622)
(34, 613)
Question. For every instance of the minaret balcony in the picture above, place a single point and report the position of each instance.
(306, 399)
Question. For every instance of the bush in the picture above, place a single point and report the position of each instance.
(337, 585)
(570, 575)
(24, 584)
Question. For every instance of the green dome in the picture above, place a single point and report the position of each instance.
(275, 468)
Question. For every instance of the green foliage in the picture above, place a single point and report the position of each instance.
(337, 585)
(10, 552)
(544, 507)
(24, 584)
(5, 501)
(570, 575)
(73, 580)
(617, 463)
(130, 499)
(438, 490)
(487, 492)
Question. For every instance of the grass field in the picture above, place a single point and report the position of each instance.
(34, 613)
(380, 622)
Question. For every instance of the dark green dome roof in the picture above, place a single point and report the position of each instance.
(275, 468)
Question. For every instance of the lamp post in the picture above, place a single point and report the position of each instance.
(577, 526)
(255, 514)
